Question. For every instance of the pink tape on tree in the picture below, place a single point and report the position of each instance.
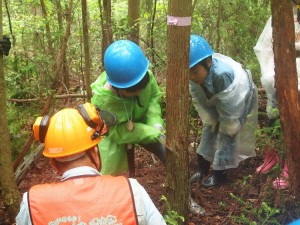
(179, 21)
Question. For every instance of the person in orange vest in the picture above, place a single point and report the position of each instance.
(71, 138)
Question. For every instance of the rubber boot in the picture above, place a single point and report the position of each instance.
(282, 182)
(270, 160)
(157, 149)
(216, 178)
(203, 168)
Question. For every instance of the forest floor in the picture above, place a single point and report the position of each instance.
(250, 189)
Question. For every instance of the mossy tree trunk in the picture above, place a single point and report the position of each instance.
(287, 86)
(10, 194)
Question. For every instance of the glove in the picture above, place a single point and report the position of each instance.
(5, 45)
(158, 127)
(230, 128)
(157, 149)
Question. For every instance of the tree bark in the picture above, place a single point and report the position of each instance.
(65, 71)
(133, 20)
(287, 86)
(218, 25)
(177, 107)
(148, 9)
(48, 31)
(87, 60)
(63, 47)
(105, 19)
(10, 194)
(153, 15)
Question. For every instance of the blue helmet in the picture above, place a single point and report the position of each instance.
(296, 222)
(199, 49)
(125, 64)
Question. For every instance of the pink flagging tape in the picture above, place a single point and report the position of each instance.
(179, 21)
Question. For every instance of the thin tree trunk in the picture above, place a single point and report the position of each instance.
(10, 194)
(148, 9)
(177, 107)
(87, 61)
(218, 25)
(65, 71)
(64, 45)
(287, 86)
(133, 20)
(152, 34)
(105, 19)
(48, 32)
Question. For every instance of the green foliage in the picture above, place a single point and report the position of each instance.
(245, 180)
(252, 215)
(171, 217)
(20, 119)
(240, 24)
(271, 136)
(29, 70)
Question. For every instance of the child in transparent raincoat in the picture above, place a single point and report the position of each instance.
(265, 55)
(129, 90)
(226, 100)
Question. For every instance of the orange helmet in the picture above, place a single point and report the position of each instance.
(69, 131)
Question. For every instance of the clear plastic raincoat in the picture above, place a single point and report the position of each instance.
(145, 116)
(265, 55)
(229, 116)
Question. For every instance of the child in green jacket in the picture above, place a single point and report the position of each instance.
(129, 90)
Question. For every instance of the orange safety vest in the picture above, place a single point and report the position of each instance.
(83, 200)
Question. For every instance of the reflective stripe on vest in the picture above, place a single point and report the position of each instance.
(83, 200)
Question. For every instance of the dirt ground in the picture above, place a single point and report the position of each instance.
(217, 202)
(219, 205)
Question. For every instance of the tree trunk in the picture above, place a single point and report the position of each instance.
(105, 19)
(218, 25)
(87, 60)
(148, 9)
(48, 32)
(286, 86)
(133, 20)
(152, 34)
(10, 194)
(63, 47)
(177, 107)
(65, 71)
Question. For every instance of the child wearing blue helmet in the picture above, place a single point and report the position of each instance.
(224, 96)
(129, 90)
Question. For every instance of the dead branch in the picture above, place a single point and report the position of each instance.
(42, 99)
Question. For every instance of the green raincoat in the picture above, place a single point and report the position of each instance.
(113, 147)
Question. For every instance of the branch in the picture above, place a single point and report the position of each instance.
(10, 26)
(41, 99)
